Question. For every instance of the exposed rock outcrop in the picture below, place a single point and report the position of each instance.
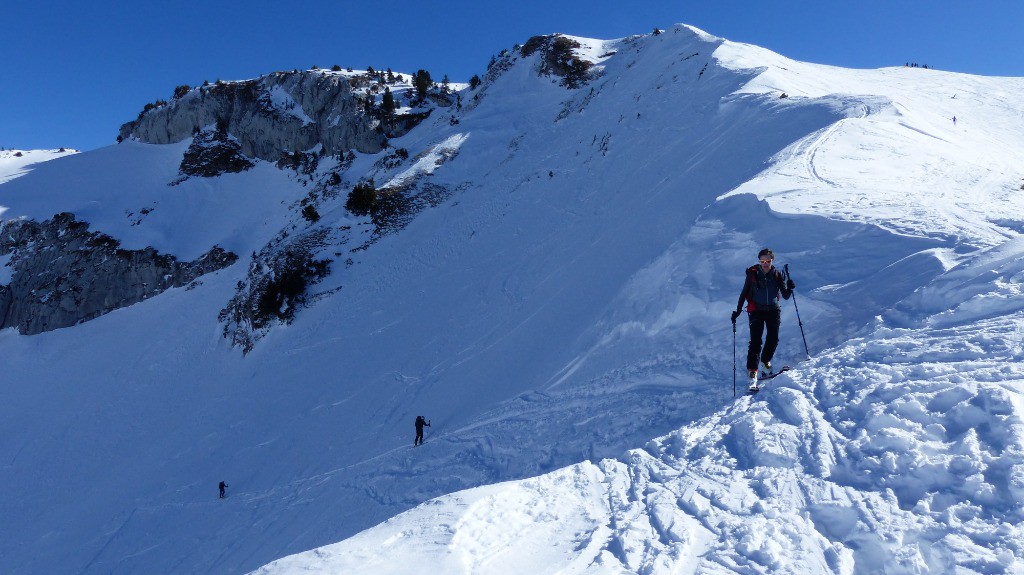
(269, 116)
(559, 58)
(276, 286)
(213, 153)
(63, 274)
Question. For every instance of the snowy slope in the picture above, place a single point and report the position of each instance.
(568, 303)
(897, 451)
(15, 163)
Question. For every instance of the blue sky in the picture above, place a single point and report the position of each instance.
(72, 72)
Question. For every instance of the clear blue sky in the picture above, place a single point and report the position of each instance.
(73, 71)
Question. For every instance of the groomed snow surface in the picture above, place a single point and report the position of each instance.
(566, 305)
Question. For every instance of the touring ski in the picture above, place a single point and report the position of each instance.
(766, 377)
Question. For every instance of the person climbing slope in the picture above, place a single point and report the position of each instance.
(761, 290)
(420, 422)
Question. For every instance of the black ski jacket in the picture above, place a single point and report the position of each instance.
(761, 290)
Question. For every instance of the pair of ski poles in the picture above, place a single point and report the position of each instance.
(800, 322)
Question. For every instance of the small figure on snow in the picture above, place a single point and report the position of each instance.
(223, 488)
(761, 290)
(420, 422)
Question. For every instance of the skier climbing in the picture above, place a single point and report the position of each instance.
(223, 487)
(420, 422)
(761, 290)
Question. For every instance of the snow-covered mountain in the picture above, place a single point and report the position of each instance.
(547, 275)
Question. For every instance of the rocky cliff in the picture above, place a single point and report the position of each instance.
(62, 274)
(275, 114)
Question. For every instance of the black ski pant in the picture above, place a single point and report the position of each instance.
(761, 320)
(419, 436)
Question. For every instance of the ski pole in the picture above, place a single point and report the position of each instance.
(807, 350)
(734, 358)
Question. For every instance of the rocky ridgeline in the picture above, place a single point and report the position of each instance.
(269, 116)
(63, 274)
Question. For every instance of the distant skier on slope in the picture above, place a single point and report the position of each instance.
(420, 422)
(223, 488)
(761, 290)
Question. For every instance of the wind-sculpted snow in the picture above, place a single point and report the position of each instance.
(870, 166)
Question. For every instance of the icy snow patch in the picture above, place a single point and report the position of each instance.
(429, 160)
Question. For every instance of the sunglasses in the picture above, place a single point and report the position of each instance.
(766, 261)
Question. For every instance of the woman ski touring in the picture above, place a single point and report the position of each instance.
(761, 290)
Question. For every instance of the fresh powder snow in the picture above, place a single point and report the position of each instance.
(563, 320)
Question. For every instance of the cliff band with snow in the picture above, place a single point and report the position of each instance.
(278, 113)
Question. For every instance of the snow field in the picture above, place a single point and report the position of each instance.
(16, 163)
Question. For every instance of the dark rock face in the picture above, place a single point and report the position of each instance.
(276, 286)
(212, 154)
(62, 274)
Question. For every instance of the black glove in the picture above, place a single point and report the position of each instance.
(735, 315)
(790, 285)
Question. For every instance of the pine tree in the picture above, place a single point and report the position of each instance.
(422, 82)
(309, 212)
(387, 104)
(362, 198)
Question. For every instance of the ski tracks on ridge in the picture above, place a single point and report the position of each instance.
(809, 151)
